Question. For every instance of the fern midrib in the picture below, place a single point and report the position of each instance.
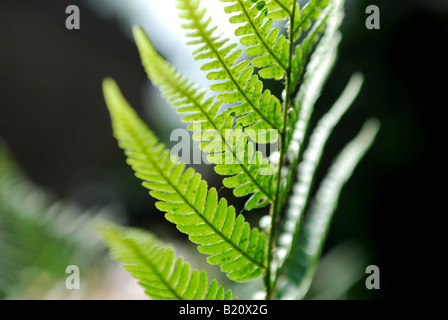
(277, 206)
(210, 120)
(139, 254)
(235, 82)
(154, 163)
(271, 53)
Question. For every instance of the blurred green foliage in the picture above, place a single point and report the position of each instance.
(39, 237)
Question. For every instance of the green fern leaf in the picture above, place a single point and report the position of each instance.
(228, 147)
(308, 166)
(266, 44)
(306, 251)
(270, 48)
(154, 267)
(184, 196)
(317, 71)
(254, 108)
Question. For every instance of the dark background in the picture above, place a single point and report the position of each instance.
(53, 117)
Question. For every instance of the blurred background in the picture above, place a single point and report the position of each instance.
(54, 121)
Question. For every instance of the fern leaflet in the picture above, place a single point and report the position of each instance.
(184, 196)
(266, 44)
(254, 108)
(308, 166)
(154, 267)
(228, 147)
(306, 250)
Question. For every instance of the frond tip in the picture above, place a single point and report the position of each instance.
(153, 265)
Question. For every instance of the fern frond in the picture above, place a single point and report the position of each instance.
(308, 166)
(254, 107)
(228, 147)
(153, 265)
(269, 47)
(38, 236)
(184, 196)
(306, 251)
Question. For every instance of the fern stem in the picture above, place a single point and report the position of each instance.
(276, 207)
